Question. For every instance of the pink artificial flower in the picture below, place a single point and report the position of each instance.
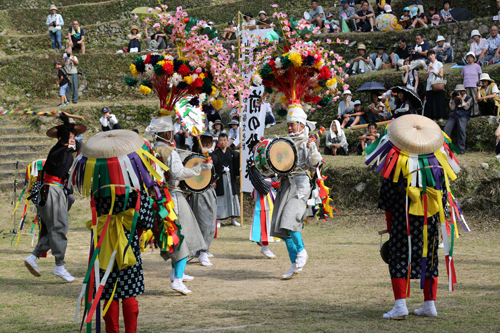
(328, 40)
(347, 65)
(346, 42)
(338, 40)
(274, 6)
(340, 69)
(346, 86)
(346, 76)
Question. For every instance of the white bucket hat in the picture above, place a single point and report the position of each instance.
(440, 39)
(470, 53)
(485, 77)
(474, 33)
(347, 92)
(52, 7)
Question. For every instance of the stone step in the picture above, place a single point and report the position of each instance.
(24, 156)
(9, 186)
(23, 148)
(11, 166)
(24, 139)
(8, 123)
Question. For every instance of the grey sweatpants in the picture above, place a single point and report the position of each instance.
(54, 217)
(73, 90)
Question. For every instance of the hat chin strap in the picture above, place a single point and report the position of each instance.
(170, 142)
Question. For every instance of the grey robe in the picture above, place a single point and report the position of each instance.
(204, 206)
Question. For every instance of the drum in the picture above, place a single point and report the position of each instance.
(384, 252)
(201, 183)
(276, 156)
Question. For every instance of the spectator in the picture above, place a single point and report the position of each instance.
(333, 26)
(444, 52)
(416, 3)
(419, 53)
(234, 134)
(379, 58)
(180, 135)
(354, 117)
(62, 83)
(158, 40)
(108, 121)
(249, 22)
(401, 54)
(410, 76)
(376, 111)
(478, 43)
(336, 139)
(418, 19)
(433, 17)
(382, 9)
(497, 147)
(445, 13)
(134, 40)
(217, 129)
(76, 37)
(366, 18)
(487, 96)
(460, 104)
(403, 104)
(405, 19)
(368, 138)
(388, 97)
(435, 107)
(316, 15)
(229, 32)
(490, 53)
(263, 20)
(266, 107)
(471, 73)
(70, 66)
(346, 106)
(360, 64)
(55, 22)
(346, 14)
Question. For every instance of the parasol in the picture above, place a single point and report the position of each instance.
(371, 87)
(144, 11)
(461, 14)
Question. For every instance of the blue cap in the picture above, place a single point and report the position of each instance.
(357, 102)
(207, 133)
(343, 2)
(104, 110)
(406, 9)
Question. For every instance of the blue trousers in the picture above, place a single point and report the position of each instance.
(180, 266)
(56, 39)
(449, 60)
(294, 244)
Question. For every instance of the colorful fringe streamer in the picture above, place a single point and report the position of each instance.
(26, 111)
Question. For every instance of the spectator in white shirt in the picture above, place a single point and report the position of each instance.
(108, 120)
(478, 44)
(55, 22)
(270, 121)
(444, 52)
(234, 134)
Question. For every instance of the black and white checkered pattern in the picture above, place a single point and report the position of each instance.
(131, 280)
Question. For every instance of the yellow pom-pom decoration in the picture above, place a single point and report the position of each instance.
(295, 58)
(283, 100)
(217, 104)
(144, 90)
(318, 65)
(331, 82)
(133, 70)
(188, 79)
(214, 90)
(201, 76)
(160, 62)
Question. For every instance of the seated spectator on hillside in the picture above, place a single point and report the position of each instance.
(433, 17)
(419, 53)
(368, 138)
(478, 43)
(405, 19)
(211, 25)
(416, 3)
(234, 134)
(365, 18)
(497, 147)
(134, 37)
(403, 105)
(345, 106)
(444, 52)
(158, 40)
(55, 22)
(460, 104)
(445, 13)
(471, 73)
(376, 111)
(263, 20)
(316, 15)
(490, 54)
(249, 22)
(229, 32)
(354, 117)
(108, 120)
(336, 139)
(270, 120)
(487, 96)
(381, 9)
(360, 64)
(401, 54)
(347, 14)
(410, 76)
(388, 97)
(331, 25)
(379, 58)
(76, 37)
(418, 19)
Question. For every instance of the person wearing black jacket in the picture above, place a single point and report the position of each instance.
(54, 197)
(227, 164)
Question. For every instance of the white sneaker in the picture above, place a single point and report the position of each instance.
(185, 277)
(398, 312)
(235, 223)
(301, 259)
(428, 310)
(291, 273)
(267, 252)
(204, 259)
(210, 255)
(63, 273)
(268, 125)
(30, 263)
(218, 224)
(441, 246)
(178, 286)
(498, 156)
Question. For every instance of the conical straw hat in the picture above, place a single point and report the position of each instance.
(416, 134)
(112, 144)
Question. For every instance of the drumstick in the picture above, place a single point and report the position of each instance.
(357, 127)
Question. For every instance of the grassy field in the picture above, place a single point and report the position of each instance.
(344, 287)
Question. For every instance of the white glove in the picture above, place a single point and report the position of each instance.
(206, 167)
(314, 153)
(226, 169)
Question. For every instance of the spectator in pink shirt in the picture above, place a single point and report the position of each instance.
(471, 73)
(478, 44)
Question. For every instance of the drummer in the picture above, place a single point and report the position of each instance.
(162, 130)
(291, 198)
(204, 206)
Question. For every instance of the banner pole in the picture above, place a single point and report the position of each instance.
(241, 149)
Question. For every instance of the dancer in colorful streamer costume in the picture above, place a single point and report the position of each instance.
(191, 237)
(417, 162)
(55, 197)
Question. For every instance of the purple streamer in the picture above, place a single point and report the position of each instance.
(436, 170)
(422, 276)
(142, 171)
(134, 166)
(381, 151)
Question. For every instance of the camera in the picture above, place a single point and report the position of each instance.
(479, 83)
(455, 93)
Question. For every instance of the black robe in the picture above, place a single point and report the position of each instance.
(230, 158)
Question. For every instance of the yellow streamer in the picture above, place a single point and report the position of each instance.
(89, 174)
(417, 201)
(151, 170)
(111, 298)
(157, 161)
